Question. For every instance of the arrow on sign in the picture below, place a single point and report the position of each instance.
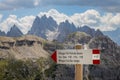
(73, 56)
(54, 56)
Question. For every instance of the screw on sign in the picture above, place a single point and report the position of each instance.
(77, 57)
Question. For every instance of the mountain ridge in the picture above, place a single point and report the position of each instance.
(47, 26)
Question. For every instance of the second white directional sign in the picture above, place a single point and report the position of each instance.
(73, 56)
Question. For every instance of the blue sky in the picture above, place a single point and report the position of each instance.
(98, 14)
(33, 7)
(68, 10)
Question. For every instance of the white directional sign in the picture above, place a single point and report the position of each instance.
(74, 56)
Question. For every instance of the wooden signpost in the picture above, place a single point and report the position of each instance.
(78, 67)
(78, 57)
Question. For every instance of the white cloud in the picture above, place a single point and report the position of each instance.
(115, 19)
(10, 21)
(92, 18)
(109, 21)
(59, 17)
(24, 24)
(36, 2)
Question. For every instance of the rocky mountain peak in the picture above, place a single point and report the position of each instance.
(67, 24)
(44, 17)
(42, 25)
(14, 27)
(37, 18)
(64, 29)
(2, 33)
(98, 33)
(66, 21)
(14, 32)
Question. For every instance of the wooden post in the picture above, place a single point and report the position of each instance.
(78, 67)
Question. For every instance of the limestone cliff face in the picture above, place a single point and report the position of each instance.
(22, 47)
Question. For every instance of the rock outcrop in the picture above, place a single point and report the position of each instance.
(22, 47)
(78, 37)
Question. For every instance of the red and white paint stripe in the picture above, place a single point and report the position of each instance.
(96, 56)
